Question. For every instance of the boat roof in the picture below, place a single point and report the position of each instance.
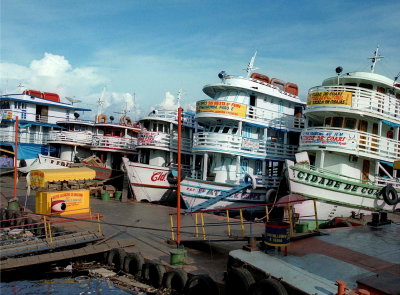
(39, 101)
(369, 77)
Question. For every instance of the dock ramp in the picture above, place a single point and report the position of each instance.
(218, 198)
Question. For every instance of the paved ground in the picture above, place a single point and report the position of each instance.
(134, 220)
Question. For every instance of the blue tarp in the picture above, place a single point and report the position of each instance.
(31, 151)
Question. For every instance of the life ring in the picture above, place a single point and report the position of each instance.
(175, 279)
(267, 286)
(125, 121)
(389, 195)
(271, 193)
(101, 118)
(238, 281)
(201, 284)
(116, 258)
(153, 273)
(174, 180)
(250, 179)
(133, 264)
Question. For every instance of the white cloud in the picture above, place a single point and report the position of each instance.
(169, 103)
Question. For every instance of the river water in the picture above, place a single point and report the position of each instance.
(64, 286)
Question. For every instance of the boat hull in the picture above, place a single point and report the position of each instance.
(335, 196)
(149, 183)
(195, 191)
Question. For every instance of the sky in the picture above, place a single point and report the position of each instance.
(137, 54)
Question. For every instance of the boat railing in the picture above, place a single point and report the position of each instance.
(383, 181)
(187, 118)
(163, 140)
(234, 143)
(25, 137)
(111, 142)
(275, 119)
(350, 141)
(366, 100)
(79, 137)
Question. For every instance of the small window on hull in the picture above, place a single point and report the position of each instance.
(350, 123)
(367, 86)
(337, 122)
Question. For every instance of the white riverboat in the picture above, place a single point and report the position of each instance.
(252, 124)
(38, 113)
(157, 148)
(104, 138)
(349, 146)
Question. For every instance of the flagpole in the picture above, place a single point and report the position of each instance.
(178, 187)
(15, 158)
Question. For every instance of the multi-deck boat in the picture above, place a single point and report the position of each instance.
(38, 113)
(157, 148)
(107, 140)
(252, 124)
(349, 146)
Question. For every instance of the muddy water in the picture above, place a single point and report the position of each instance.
(64, 286)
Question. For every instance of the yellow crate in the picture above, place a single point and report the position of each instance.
(40, 177)
(63, 202)
(396, 165)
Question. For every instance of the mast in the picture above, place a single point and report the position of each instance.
(100, 102)
(375, 59)
(250, 67)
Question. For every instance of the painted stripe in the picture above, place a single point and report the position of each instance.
(149, 185)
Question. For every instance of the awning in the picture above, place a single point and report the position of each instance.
(31, 151)
(390, 123)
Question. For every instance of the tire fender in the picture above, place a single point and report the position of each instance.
(175, 279)
(153, 273)
(389, 195)
(267, 286)
(133, 264)
(116, 257)
(174, 180)
(238, 281)
(250, 178)
(271, 193)
(201, 284)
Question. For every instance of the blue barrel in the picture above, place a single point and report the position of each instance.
(277, 233)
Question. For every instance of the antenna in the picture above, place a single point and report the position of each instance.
(73, 100)
(250, 67)
(100, 102)
(20, 87)
(124, 111)
(375, 59)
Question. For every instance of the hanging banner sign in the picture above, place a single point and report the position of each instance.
(329, 98)
(148, 138)
(221, 107)
(250, 145)
(331, 138)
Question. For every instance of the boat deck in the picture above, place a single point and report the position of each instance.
(354, 254)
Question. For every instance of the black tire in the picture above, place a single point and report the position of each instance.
(116, 258)
(133, 264)
(175, 279)
(238, 281)
(389, 195)
(201, 284)
(268, 286)
(153, 273)
(174, 180)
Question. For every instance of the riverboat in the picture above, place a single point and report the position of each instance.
(151, 177)
(252, 124)
(350, 146)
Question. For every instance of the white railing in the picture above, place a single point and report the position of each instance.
(264, 116)
(350, 141)
(24, 137)
(209, 141)
(112, 143)
(187, 119)
(366, 100)
(163, 140)
(82, 138)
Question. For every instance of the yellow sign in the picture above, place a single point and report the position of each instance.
(221, 107)
(329, 98)
(40, 177)
(62, 202)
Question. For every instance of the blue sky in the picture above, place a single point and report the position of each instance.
(155, 48)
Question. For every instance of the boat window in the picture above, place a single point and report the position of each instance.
(244, 165)
(252, 100)
(337, 122)
(380, 89)
(367, 86)
(328, 122)
(247, 131)
(398, 95)
(117, 132)
(160, 127)
(225, 130)
(234, 130)
(351, 84)
(5, 105)
(390, 91)
(217, 129)
(350, 123)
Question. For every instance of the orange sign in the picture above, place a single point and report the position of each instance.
(221, 107)
(329, 98)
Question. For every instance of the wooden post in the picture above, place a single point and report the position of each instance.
(171, 223)
(228, 222)
(241, 222)
(16, 158)
(316, 215)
